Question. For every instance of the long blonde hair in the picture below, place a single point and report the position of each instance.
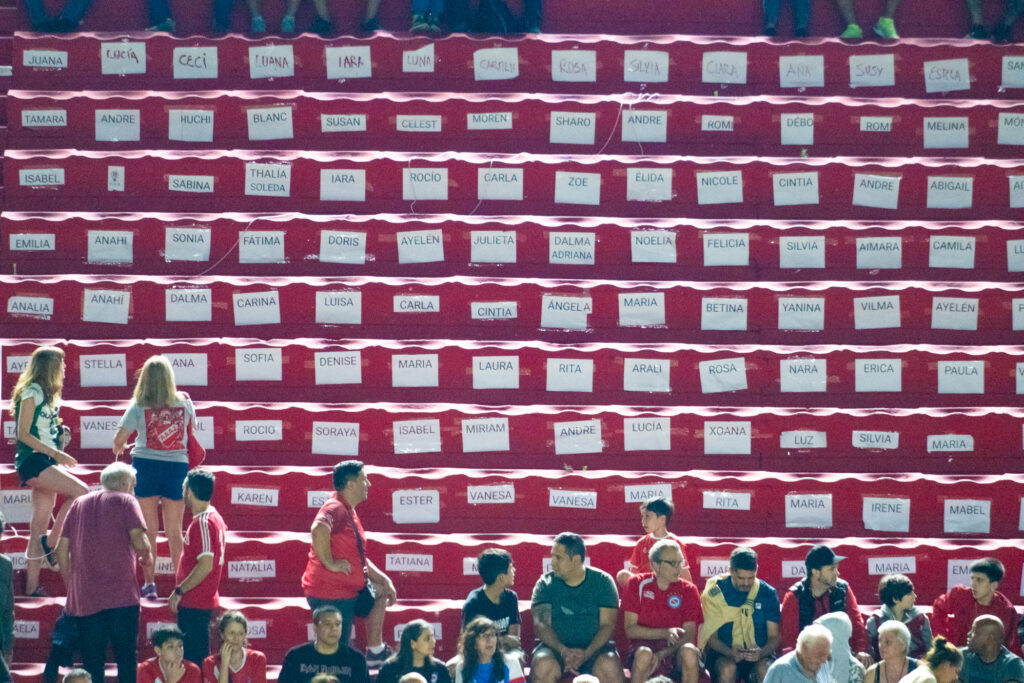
(43, 369)
(155, 387)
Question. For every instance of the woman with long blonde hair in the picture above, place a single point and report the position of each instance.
(40, 460)
(160, 416)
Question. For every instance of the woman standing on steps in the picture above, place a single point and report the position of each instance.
(40, 461)
(160, 415)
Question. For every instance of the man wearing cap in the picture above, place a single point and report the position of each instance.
(821, 592)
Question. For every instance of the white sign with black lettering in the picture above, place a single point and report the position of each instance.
(350, 61)
(713, 567)
(97, 431)
(640, 125)
(873, 440)
(726, 248)
(335, 438)
(946, 132)
(727, 438)
(485, 434)
(495, 372)
(950, 251)
(340, 246)
(947, 75)
(270, 123)
(258, 365)
(954, 313)
(566, 312)
(420, 246)
(16, 506)
(492, 120)
(418, 506)
(723, 313)
(641, 493)
(343, 123)
(421, 184)
(251, 570)
(876, 191)
(40, 177)
(581, 500)
(717, 124)
(878, 374)
(500, 184)
(726, 500)
(495, 494)
(496, 64)
(724, 67)
(1015, 253)
(577, 188)
(25, 629)
(188, 304)
(33, 241)
(190, 125)
(419, 61)
(876, 124)
(271, 61)
(338, 367)
(414, 370)
(261, 246)
(880, 566)
(574, 66)
(646, 434)
(802, 252)
(268, 180)
(45, 59)
(953, 192)
(803, 375)
(570, 374)
(797, 129)
(964, 516)
(106, 306)
(122, 58)
(876, 312)
(720, 187)
(641, 309)
(809, 510)
(492, 246)
(1013, 76)
(652, 246)
(417, 123)
(581, 436)
(872, 71)
(887, 514)
(802, 439)
(494, 310)
(258, 497)
(961, 376)
(195, 62)
(950, 443)
(404, 562)
(257, 308)
(802, 71)
(801, 313)
(259, 430)
(190, 369)
(958, 573)
(196, 184)
(340, 307)
(645, 66)
(648, 184)
(879, 252)
(38, 307)
(794, 189)
(723, 374)
(646, 374)
(417, 436)
(1016, 192)
(17, 364)
(44, 118)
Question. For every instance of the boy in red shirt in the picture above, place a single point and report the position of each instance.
(954, 612)
(169, 665)
(655, 514)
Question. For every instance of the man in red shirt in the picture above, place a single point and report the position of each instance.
(954, 612)
(169, 665)
(662, 614)
(338, 568)
(196, 595)
(821, 592)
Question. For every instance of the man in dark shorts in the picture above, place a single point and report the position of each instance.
(575, 608)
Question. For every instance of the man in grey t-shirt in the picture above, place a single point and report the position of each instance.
(986, 659)
(808, 662)
(575, 608)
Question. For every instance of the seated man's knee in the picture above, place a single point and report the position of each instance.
(689, 656)
(608, 668)
(545, 668)
(725, 670)
(643, 660)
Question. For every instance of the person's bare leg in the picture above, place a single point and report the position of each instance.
(371, 10)
(375, 621)
(150, 506)
(173, 514)
(643, 665)
(974, 6)
(65, 484)
(43, 501)
(689, 663)
(890, 8)
(255, 7)
(846, 9)
(321, 10)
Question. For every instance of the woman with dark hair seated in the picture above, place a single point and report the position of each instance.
(896, 593)
(481, 658)
(940, 665)
(415, 655)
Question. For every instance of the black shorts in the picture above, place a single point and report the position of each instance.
(33, 464)
(587, 666)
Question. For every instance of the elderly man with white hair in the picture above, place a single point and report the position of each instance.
(808, 662)
(103, 537)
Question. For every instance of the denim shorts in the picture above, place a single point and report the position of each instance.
(159, 478)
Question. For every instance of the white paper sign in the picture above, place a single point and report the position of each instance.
(725, 500)
(96, 431)
(257, 308)
(958, 573)
(646, 374)
(494, 310)
(963, 516)
(570, 374)
(492, 246)
(876, 191)
(641, 309)
(271, 61)
(952, 251)
(495, 372)
(644, 125)
(195, 62)
(340, 246)
(581, 436)
(793, 189)
(646, 434)
(1011, 129)
(648, 184)
(1013, 71)
(416, 303)
(954, 313)
(950, 192)
(338, 367)
(424, 184)
(335, 438)
(1017, 307)
(342, 123)
(270, 123)
(496, 64)
(879, 252)
(40, 177)
(577, 188)
(419, 506)
(876, 124)
(582, 500)
(420, 60)
(414, 123)
(503, 184)
(190, 369)
(876, 312)
(947, 75)
(339, 307)
(45, 59)
(723, 374)
(190, 125)
(723, 314)
(887, 514)
(33, 241)
(565, 312)
(880, 566)
(118, 125)
(950, 443)
(801, 313)
(261, 246)
(574, 66)
(259, 430)
(485, 435)
(417, 436)
(420, 246)
(802, 252)
(414, 370)
(122, 58)
(726, 248)
(803, 71)
(878, 374)
(188, 304)
(187, 244)
(258, 364)
(109, 246)
(872, 440)
(350, 61)
(492, 120)
(38, 307)
(1015, 255)
(641, 493)
(268, 180)
(202, 184)
(501, 494)
(803, 439)
(961, 377)
(797, 129)
(645, 66)
(16, 506)
(44, 118)
(572, 248)
(255, 497)
(872, 71)
(652, 246)
(720, 187)
(106, 306)
(724, 67)
(809, 510)
(803, 375)
(946, 132)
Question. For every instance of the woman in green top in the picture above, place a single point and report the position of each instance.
(40, 459)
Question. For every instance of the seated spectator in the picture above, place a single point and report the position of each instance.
(222, 16)
(325, 655)
(808, 662)
(235, 663)
(169, 664)
(885, 28)
(575, 608)
(801, 16)
(821, 592)
(77, 676)
(321, 25)
(894, 663)
(661, 613)
(69, 19)
(954, 612)
(482, 658)
(845, 667)
(738, 641)
(495, 599)
(655, 514)
(415, 655)
(986, 659)
(941, 664)
(896, 593)
(1000, 32)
